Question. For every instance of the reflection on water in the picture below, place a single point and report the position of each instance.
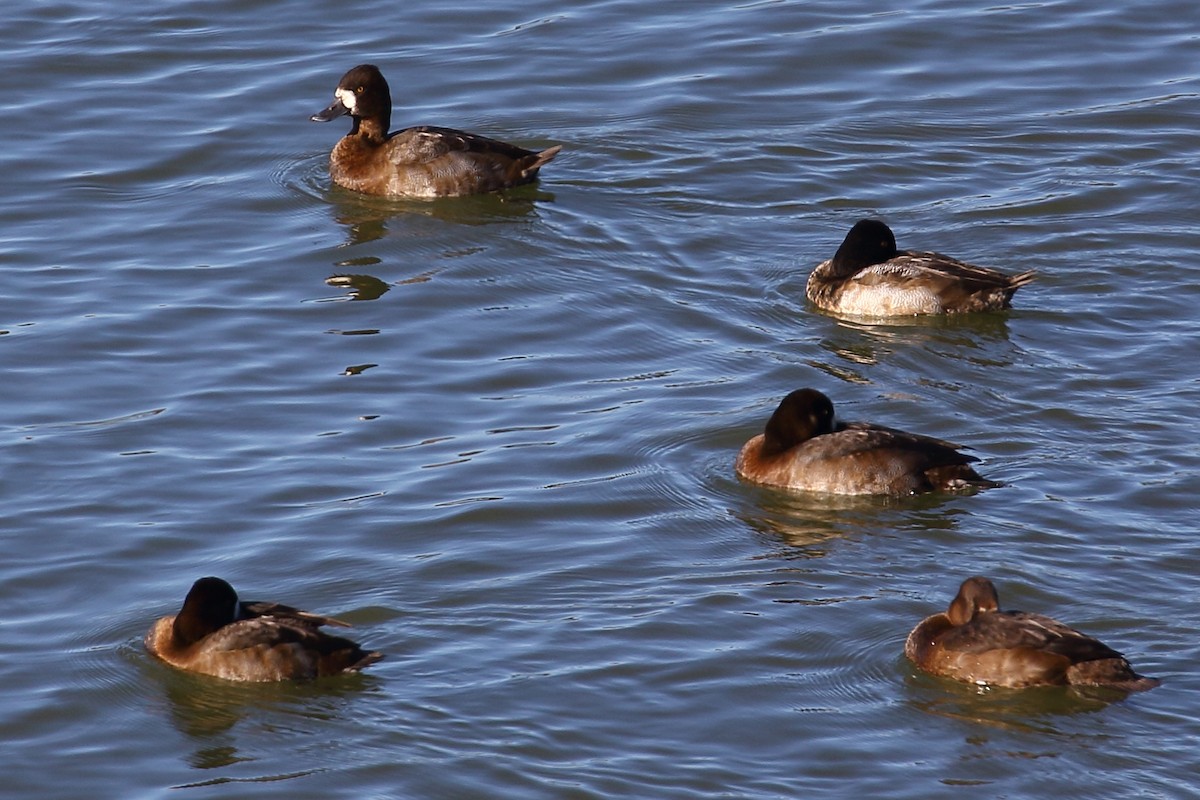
(1031, 709)
(368, 287)
(207, 711)
(864, 343)
(367, 218)
(362, 287)
(807, 520)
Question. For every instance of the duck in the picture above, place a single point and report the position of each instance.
(803, 447)
(217, 634)
(419, 162)
(975, 642)
(869, 277)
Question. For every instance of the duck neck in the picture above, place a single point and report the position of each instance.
(184, 632)
(370, 130)
(843, 266)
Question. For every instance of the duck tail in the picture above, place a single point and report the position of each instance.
(958, 478)
(1112, 672)
(367, 660)
(532, 163)
(345, 656)
(1015, 282)
(1020, 279)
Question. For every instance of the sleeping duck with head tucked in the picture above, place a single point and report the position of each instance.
(217, 634)
(420, 162)
(803, 447)
(869, 277)
(975, 642)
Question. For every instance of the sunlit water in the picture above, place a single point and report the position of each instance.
(503, 448)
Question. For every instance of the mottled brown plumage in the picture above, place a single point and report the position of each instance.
(868, 276)
(422, 162)
(216, 634)
(804, 448)
(976, 642)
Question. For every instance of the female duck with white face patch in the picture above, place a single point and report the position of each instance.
(422, 162)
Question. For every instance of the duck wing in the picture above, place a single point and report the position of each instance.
(269, 633)
(251, 609)
(907, 463)
(427, 143)
(911, 265)
(1012, 630)
(278, 648)
(952, 284)
(895, 436)
(858, 437)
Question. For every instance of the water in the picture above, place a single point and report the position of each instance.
(507, 456)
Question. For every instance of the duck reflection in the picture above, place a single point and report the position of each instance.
(1029, 709)
(207, 711)
(368, 219)
(369, 287)
(807, 522)
(360, 287)
(963, 337)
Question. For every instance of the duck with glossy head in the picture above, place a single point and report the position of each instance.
(869, 277)
(975, 642)
(217, 634)
(804, 447)
(421, 162)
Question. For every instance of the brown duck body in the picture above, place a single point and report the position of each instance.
(804, 448)
(428, 162)
(216, 634)
(976, 642)
(419, 162)
(868, 276)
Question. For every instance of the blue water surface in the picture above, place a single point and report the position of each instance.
(496, 433)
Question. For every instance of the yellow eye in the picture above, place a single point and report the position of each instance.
(359, 90)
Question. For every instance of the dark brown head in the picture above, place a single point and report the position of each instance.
(210, 605)
(869, 242)
(977, 594)
(362, 93)
(801, 415)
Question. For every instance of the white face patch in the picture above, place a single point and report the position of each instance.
(347, 97)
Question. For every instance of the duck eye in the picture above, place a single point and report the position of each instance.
(358, 90)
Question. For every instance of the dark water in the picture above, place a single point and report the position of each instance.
(506, 456)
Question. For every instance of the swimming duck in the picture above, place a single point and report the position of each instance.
(416, 162)
(976, 642)
(868, 276)
(804, 448)
(217, 634)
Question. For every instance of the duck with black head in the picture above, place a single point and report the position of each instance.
(217, 634)
(869, 277)
(975, 642)
(419, 162)
(804, 447)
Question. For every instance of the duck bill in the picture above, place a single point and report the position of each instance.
(337, 109)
